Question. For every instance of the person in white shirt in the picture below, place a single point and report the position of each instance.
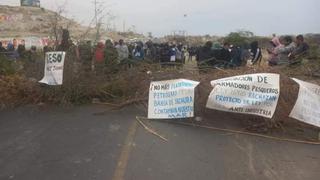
(123, 51)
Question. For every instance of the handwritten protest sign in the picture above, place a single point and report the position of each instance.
(53, 71)
(255, 94)
(171, 99)
(307, 107)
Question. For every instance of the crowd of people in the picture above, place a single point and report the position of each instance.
(223, 56)
(282, 51)
(108, 54)
(15, 50)
(285, 51)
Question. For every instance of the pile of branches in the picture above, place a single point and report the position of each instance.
(17, 90)
(130, 85)
(79, 86)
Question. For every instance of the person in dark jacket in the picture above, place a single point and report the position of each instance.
(300, 49)
(65, 42)
(225, 54)
(164, 53)
(205, 52)
(2, 49)
(21, 49)
(236, 58)
(111, 54)
(138, 52)
(86, 55)
(256, 53)
(12, 53)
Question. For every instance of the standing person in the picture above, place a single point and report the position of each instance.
(192, 51)
(72, 54)
(123, 51)
(138, 52)
(110, 52)
(12, 53)
(256, 53)
(225, 54)
(65, 43)
(15, 44)
(179, 55)
(99, 58)
(110, 55)
(150, 52)
(173, 53)
(21, 49)
(236, 58)
(85, 53)
(164, 53)
(30, 55)
(131, 47)
(10, 47)
(184, 54)
(2, 49)
(205, 55)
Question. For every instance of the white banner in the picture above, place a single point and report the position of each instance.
(307, 107)
(53, 71)
(171, 99)
(255, 94)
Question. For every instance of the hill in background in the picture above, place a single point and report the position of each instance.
(22, 22)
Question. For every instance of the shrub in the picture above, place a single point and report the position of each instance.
(6, 66)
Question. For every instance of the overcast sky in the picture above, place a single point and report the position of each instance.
(214, 17)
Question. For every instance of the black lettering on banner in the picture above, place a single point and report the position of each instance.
(59, 57)
(156, 87)
(54, 57)
(165, 87)
(49, 58)
(262, 79)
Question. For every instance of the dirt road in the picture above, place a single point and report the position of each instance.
(51, 143)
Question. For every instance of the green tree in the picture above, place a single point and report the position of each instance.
(240, 38)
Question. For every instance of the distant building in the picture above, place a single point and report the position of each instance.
(33, 3)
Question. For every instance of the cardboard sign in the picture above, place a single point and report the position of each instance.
(307, 107)
(171, 99)
(53, 71)
(255, 94)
